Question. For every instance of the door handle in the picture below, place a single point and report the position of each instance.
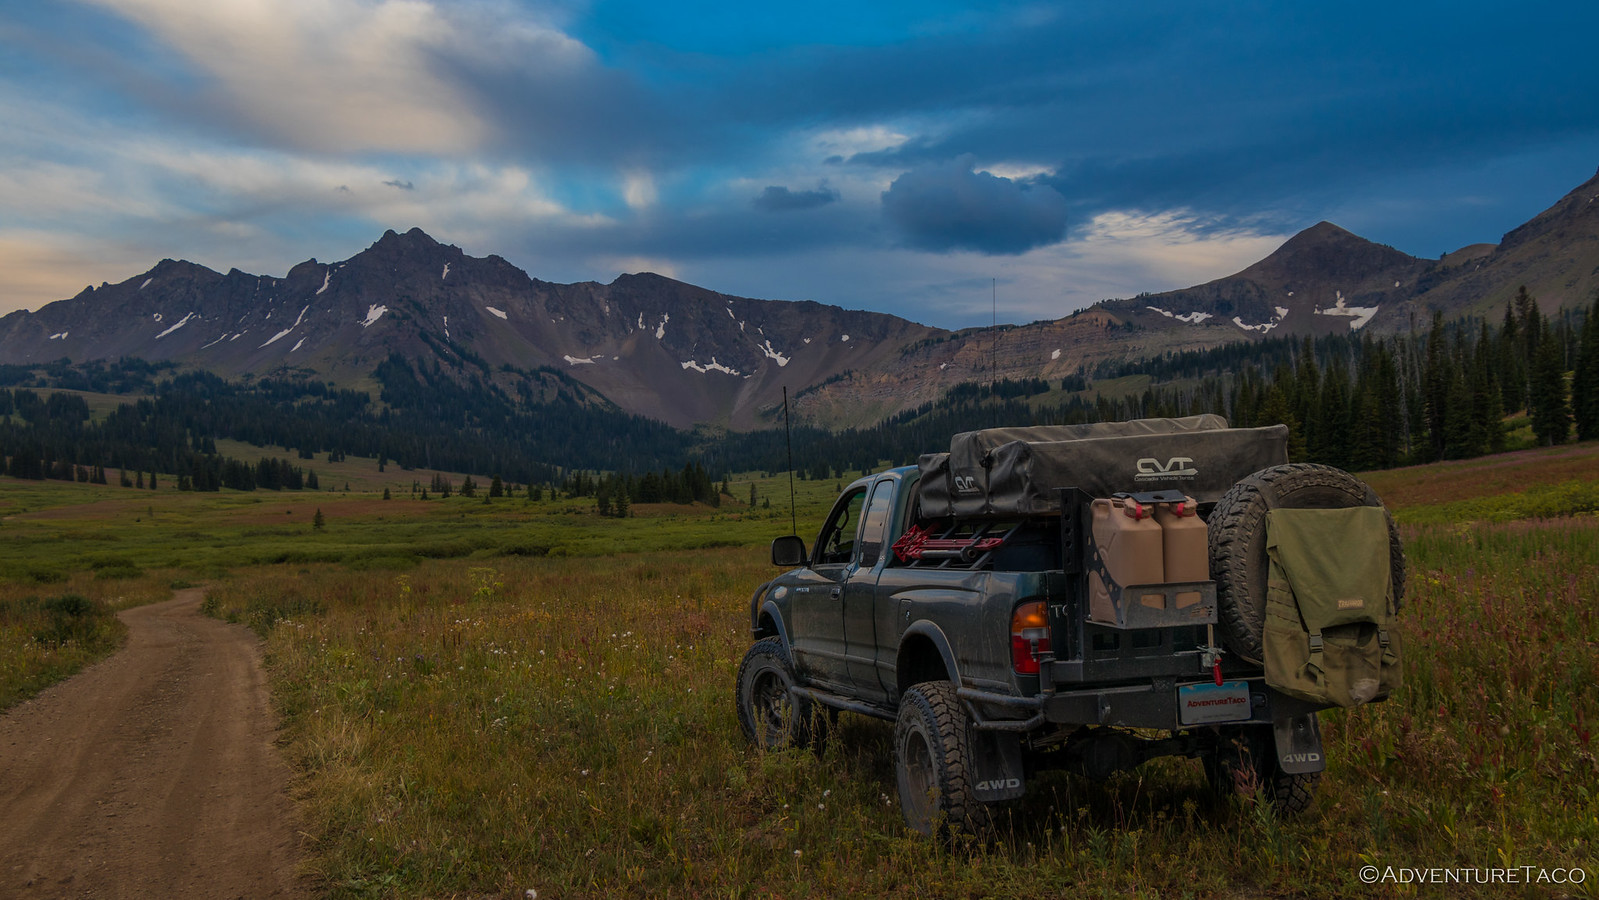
(838, 592)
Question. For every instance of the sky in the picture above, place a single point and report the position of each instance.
(945, 161)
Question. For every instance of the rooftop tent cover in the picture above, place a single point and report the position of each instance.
(1016, 471)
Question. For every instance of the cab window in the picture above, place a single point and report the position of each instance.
(836, 545)
(875, 528)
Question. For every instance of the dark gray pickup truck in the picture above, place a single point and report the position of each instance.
(1024, 603)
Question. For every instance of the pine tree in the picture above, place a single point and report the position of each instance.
(1585, 380)
(496, 487)
(1551, 412)
(1437, 378)
(317, 522)
(385, 493)
(1487, 410)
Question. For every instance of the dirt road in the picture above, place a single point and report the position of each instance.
(151, 774)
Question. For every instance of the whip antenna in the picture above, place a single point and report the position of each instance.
(788, 435)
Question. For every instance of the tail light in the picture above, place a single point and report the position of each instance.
(1029, 636)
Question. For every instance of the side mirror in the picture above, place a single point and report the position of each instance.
(788, 551)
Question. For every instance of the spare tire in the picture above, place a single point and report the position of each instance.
(1237, 527)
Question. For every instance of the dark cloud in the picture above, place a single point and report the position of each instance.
(780, 199)
(951, 207)
(401, 185)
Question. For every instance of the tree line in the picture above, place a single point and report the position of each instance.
(1355, 401)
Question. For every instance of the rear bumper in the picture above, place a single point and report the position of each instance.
(1150, 705)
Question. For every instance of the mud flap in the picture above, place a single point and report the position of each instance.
(1299, 744)
(997, 769)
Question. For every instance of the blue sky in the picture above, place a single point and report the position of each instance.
(902, 157)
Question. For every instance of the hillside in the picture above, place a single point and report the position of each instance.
(686, 356)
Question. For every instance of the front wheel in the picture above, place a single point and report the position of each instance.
(770, 715)
(1244, 764)
(932, 763)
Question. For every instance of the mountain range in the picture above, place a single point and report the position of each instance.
(687, 356)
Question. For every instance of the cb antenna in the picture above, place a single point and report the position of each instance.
(788, 436)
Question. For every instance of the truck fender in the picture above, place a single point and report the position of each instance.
(769, 610)
(911, 664)
(755, 608)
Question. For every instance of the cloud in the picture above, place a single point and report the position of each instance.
(40, 268)
(401, 185)
(780, 199)
(950, 207)
(342, 75)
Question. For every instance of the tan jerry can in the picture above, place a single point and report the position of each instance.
(1187, 546)
(1131, 545)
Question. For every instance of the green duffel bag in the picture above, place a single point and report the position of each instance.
(1327, 636)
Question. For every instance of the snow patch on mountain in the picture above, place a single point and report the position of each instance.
(844, 339)
(146, 283)
(579, 360)
(1360, 314)
(157, 316)
(1054, 355)
(1193, 318)
(712, 366)
(446, 272)
(175, 327)
(285, 332)
(495, 311)
(1262, 327)
(373, 313)
(325, 279)
(297, 345)
(59, 337)
(772, 354)
(660, 330)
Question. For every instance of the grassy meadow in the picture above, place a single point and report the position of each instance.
(482, 700)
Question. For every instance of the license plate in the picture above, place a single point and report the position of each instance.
(1199, 704)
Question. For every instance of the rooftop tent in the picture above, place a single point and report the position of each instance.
(1016, 471)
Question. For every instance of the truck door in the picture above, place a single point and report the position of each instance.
(860, 592)
(818, 601)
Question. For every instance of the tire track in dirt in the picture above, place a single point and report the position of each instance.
(152, 773)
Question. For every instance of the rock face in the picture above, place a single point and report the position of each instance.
(687, 356)
(662, 348)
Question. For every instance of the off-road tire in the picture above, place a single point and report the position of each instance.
(771, 717)
(932, 764)
(1244, 764)
(1237, 528)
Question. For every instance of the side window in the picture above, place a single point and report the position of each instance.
(836, 545)
(875, 529)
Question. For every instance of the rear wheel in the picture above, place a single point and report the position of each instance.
(1244, 764)
(770, 715)
(1238, 542)
(932, 762)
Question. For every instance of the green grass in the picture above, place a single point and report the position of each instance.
(51, 628)
(478, 701)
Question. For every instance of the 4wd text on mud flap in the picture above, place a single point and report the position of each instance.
(999, 784)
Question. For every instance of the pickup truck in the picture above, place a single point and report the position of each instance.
(980, 635)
